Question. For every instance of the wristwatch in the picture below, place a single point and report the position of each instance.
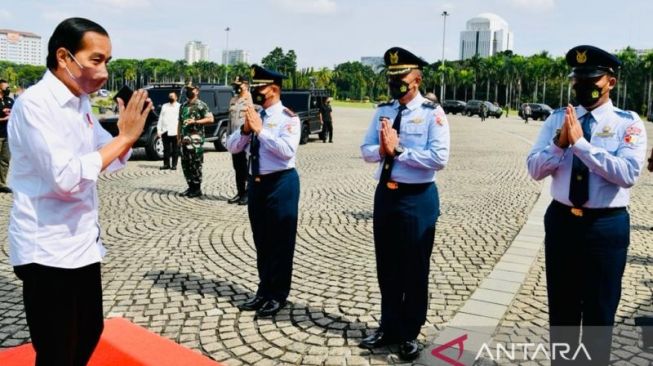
(399, 150)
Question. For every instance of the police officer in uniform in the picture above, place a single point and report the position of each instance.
(409, 139)
(271, 138)
(594, 153)
(193, 115)
(239, 104)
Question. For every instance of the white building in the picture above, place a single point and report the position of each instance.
(233, 57)
(21, 47)
(486, 35)
(196, 51)
(375, 62)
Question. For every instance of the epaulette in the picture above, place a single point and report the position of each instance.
(558, 110)
(430, 104)
(385, 104)
(289, 112)
(625, 114)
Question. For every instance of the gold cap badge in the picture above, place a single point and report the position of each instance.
(394, 57)
(581, 57)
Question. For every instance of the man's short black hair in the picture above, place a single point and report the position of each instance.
(3, 81)
(68, 35)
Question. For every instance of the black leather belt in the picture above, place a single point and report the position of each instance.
(407, 187)
(588, 212)
(271, 176)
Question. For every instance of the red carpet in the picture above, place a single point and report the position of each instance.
(122, 344)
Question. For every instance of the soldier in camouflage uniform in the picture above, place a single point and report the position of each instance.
(193, 114)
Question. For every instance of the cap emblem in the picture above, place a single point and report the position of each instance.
(581, 57)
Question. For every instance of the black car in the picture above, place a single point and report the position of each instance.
(473, 107)
(538, 111)
(306, 103)
(453, 106)
(649, 117)
(217, 98)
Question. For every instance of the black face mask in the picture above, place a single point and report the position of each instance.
(6, 92)
(258, 97)
(398, 88)
(237, 89)
(190, 93)
(171, 100)
(587, 93)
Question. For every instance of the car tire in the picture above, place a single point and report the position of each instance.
(154, 147)
(221, 143)
(305, 132)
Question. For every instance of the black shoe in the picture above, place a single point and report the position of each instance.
(254, 303)
(173, 168)
(194, 193)
(5, 190)
(234, 199)
(330, 142)
(243, 200)
(324, 141)
(378, 339)
(165, 167)
(185, 193)
(409, 350)
(270, 308)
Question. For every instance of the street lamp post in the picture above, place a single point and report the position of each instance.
(226, 56)
(444, 30)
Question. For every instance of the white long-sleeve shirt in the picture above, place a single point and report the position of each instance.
(168, 119)
(54, 141)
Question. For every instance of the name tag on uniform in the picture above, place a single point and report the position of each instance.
(271, 125)
(417, 120)
(607, 132)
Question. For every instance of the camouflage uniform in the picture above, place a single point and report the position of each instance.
(192, 141)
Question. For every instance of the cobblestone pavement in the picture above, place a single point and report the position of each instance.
(180, 266)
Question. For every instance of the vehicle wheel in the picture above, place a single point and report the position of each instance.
(305, 132)
(221, 143)
(154, 147)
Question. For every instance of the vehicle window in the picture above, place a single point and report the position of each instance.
(208, 97)
(223, 101)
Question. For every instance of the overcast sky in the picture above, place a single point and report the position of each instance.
(328, 32)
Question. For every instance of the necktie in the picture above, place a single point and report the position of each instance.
(388, 162)
(254, 151)
(579, 182)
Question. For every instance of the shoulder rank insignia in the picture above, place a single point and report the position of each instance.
(385, 104)
(625, 114)
(429, 104)
(289, 112)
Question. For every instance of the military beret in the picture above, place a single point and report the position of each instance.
(239, 79)
(589, 61)
(399, 61)
(261, 76)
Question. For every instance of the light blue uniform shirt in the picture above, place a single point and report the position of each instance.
(614, 156)
(278, 139)
(424, 135)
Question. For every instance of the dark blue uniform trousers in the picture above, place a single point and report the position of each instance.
(585, 261)
(272, 206)
(404, 230)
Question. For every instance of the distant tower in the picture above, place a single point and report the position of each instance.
(487, 34)
(196, 51)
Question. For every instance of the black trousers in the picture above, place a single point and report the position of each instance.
(240, 167)
(273, 203)
(170, 150)
(328, 130)
(63, 308)
(404, 230)
(585, 260)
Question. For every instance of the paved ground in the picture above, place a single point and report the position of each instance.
(180, 266)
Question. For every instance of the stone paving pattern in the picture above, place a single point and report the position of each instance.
(180, 266)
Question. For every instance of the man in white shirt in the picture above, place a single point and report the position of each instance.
(58, 151)
(167, 131)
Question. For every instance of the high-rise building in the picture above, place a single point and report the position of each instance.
(375, 62)
(232, 57)
(196, 51)
(486, 35)
(21, 47)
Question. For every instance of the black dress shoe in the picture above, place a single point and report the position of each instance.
(243, 200)
(165, 167)
(234, 199)
(254, 303)
(5, 190)
(185, 193)
(194, 193)
(173, 168)
(270, 308)
(409, 350)
(378, 339)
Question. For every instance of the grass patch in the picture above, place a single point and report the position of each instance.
(363, 105)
